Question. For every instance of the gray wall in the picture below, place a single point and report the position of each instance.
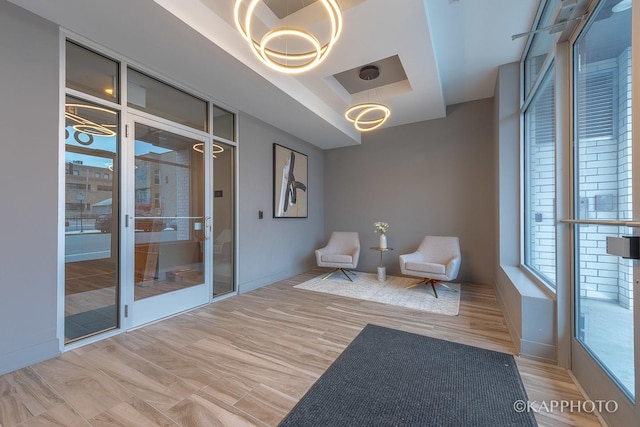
(29, 112)
(274, 248)
(429, 178)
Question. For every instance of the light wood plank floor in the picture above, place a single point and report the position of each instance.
(245, 361)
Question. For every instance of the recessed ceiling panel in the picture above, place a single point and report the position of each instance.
(391, 71)
(283, 8)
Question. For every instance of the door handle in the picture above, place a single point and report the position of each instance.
(207, 227)
(625, 246)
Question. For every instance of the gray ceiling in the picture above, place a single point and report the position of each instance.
(391, 71)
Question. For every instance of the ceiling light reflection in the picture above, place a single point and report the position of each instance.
(216, 149)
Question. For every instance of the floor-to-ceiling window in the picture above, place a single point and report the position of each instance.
(540, 152)
(91, 193)
(540, 188)
(224, 197)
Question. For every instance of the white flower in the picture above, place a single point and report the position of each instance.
(381, 227)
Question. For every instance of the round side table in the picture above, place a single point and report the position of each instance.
(382, 271)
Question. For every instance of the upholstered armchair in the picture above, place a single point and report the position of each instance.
(436, 260)
(341, 253)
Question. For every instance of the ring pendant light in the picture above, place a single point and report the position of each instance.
(288, 62)
(368, 116)
(361, 115)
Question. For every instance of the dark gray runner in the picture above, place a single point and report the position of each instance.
(387, 377)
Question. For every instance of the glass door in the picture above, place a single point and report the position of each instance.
(168, 222)
(606, 212)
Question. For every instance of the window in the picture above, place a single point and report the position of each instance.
(91, 73)
(77, 186)
(223, 123)
(597, 100)
(540, 188)
(540, 47)
(91, 146)
(155, 97)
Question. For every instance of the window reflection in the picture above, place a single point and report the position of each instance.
(604, 188)
(541, 46)
(540, 188)
(155, 97)
(92, 73)
(169, 212)
(91, 194)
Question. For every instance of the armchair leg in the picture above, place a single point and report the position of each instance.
(422, 282)
(448, 287)
(433, 283)
(433, 286)
(330, 274)
(344, 271)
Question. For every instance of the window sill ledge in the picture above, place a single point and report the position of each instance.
(530, 313)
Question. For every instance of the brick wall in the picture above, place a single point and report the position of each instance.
(604, 189)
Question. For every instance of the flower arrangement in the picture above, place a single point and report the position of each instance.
(381, 227)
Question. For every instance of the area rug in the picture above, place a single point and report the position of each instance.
(387, 377)
(366, 286)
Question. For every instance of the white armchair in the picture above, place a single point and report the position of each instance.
(341, 253)
(437, 259)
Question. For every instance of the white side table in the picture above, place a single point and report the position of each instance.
(382, 271)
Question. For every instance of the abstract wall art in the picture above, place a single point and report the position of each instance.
(290, 174)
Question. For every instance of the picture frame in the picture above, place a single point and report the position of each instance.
(290, 178)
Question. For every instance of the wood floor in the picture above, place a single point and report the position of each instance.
(246, 361)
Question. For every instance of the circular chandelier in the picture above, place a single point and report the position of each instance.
(367, 116)
(281, 59)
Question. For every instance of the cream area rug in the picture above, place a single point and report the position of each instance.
(366, 286)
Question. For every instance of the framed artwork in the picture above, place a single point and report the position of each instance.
(290, 173)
